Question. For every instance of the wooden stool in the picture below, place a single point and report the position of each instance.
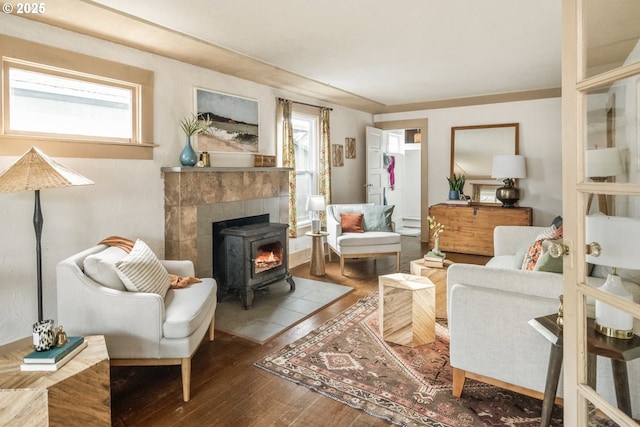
(439, 278)
(407, 309)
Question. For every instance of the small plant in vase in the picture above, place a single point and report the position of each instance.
(456, 186)
(192, 125)
(437, 229)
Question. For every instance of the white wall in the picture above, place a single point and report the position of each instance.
(540, 142)
(127, 198)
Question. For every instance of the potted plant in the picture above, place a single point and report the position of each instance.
(456, 186)
(192, 125)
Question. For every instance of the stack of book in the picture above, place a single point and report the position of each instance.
(432, 259)
(53, 359)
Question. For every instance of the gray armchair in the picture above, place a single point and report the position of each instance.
(139, 328)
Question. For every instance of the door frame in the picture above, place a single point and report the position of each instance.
(423, 125)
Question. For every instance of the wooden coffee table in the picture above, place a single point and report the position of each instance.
(439, 278)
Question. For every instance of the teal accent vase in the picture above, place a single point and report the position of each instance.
(188, 156)
(454, 195)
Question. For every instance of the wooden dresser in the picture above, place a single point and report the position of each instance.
(469, 228)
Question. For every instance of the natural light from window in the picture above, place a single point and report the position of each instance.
(305, 139)
(50, 104)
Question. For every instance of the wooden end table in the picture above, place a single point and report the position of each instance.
(77, 394)
(317, 252)
(439, 278)
(619, 351)
(407, 312)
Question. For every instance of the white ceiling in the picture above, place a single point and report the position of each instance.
(393, 52)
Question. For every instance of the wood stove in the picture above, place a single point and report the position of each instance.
(255, 257)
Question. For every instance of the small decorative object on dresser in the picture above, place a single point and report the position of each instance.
(456, 186)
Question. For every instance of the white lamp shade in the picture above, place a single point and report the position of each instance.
(618, 237)
(509, 166)
(603, 163)
(315, 203)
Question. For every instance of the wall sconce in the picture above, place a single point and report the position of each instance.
(315, 204)
(600, 165)
(618, 238)
(508, 167)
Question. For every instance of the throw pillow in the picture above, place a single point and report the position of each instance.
(545, 261)
(351, 223)
(533, 254)
(377, 218)
(101, 267)
(141, 271)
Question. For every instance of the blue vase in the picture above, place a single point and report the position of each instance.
(188, 156)
(454, 195)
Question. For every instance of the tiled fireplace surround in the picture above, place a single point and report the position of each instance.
(194, 198)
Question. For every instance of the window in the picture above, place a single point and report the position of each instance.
(73, 105)
(305, 140)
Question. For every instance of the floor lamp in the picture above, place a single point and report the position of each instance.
(35, 171)
(600, 165)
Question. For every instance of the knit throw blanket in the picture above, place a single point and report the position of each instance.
(126, 245)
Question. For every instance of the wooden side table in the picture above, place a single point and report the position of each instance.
(439, 278)
(77, 394)
(619, 351)
(317, 252)
(407, 313)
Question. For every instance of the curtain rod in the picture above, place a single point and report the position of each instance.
(308, 105)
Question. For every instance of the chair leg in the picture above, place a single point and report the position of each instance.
(186, 378)
(458, 382)
(329, 252)
(398, 262)
(342, 265)
(212, 327)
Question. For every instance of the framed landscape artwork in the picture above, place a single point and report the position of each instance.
(235, 122)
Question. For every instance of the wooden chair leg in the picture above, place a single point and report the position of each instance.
(329, 252)
(342, 265)
(458, 382)
(212, 327)
(398, 262)
(186, 378)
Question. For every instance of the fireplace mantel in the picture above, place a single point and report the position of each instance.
(222, 169)
(194, 198)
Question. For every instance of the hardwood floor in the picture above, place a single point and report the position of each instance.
(227, 390)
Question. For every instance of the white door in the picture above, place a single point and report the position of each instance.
(376, 173)
(601, 111)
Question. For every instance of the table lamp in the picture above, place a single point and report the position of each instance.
(600, 165)
(35, 171)
(315, 204)
(618, 237)
(508, 167)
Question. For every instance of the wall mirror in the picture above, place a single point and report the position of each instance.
(472, 151)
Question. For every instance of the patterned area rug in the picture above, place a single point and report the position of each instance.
(347, 360)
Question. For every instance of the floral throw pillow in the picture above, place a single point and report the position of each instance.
(533, 254)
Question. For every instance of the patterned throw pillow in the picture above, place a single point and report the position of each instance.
(351, 223)
(141, 271)
(533, 254)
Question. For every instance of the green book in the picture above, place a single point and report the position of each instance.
(55, 354)
(435, 257)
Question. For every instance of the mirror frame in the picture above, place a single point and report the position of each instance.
(482, 180)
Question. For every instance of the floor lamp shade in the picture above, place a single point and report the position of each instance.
(35, 171)
(618, 239)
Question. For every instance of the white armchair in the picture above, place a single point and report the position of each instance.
(489, 309)
(139, 328)
(377, 239)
